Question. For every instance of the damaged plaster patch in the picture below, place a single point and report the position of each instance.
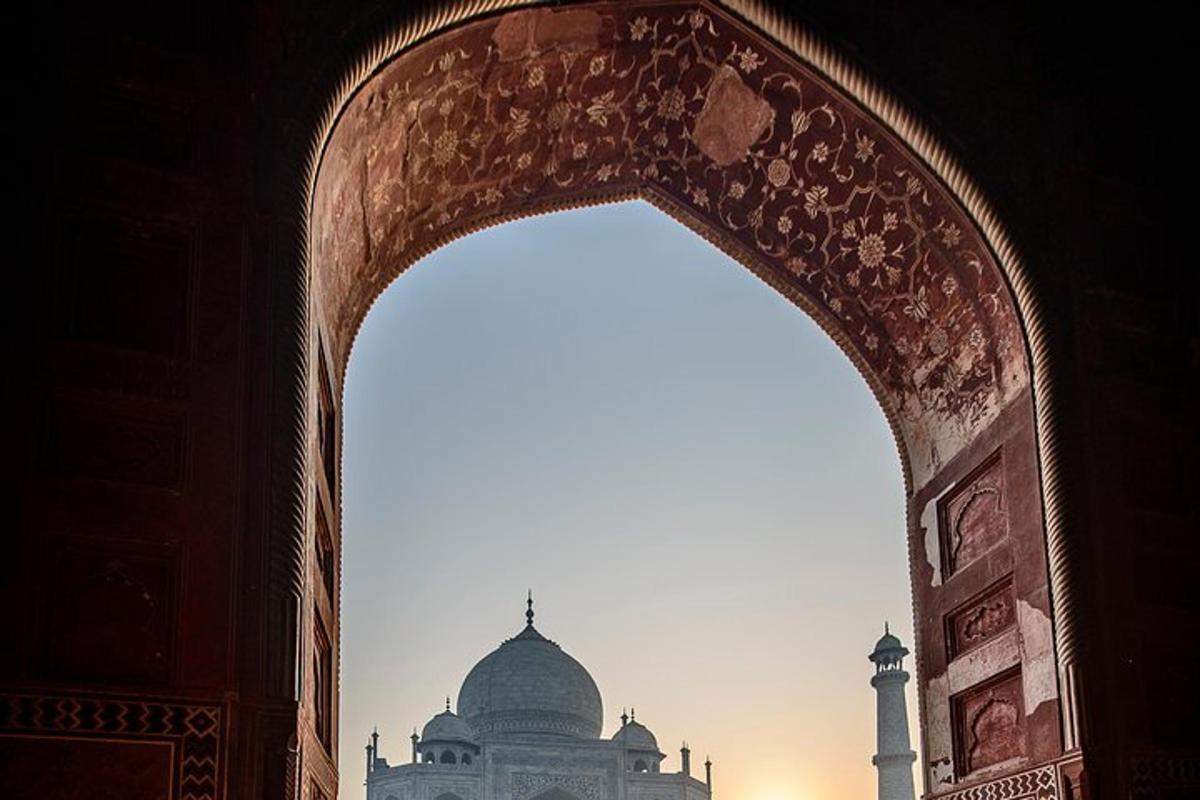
(1038, 672)
(522, 33)
(939, 742)
(733, 119)
(933, 545)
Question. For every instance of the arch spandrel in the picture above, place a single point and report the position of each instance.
(543, 108)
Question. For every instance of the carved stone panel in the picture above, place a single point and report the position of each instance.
(981, 619)
(135, 126)
(989, 724)
(101, 443)
(973, 518)
(111, 613)
(125, 282)
(526, 785)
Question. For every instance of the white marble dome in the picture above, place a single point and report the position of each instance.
(447, 727)
(634, 735)
(528, 685)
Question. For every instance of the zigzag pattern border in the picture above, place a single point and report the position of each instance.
(1152, 773)
(1040, 783)
(195, 726)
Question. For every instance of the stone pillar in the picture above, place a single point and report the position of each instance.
(894, 754)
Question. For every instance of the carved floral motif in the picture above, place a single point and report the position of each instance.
(526, 785)
(982, 620)
(677, 103)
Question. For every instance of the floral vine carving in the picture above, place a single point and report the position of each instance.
(544, 107)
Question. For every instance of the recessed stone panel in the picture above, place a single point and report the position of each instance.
(989, 724)
(981, 620)
(125, 282)
(133, 126)
(104, 443)
(111, 613)
(973, 518)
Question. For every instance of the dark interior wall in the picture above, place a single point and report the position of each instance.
(152, 154)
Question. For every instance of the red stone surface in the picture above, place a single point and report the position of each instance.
(973, 518)
(982, 619)
(990, 725)
(83, 769)
(539, 109)
(111, 606)
(527, 33)
(159, 182)
(732, 119)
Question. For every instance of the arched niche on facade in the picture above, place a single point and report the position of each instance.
(768, 144)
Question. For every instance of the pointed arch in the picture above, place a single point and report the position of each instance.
(780, 152)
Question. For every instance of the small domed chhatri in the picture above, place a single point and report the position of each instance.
(447, 727)
(447, 739)
(528, 727)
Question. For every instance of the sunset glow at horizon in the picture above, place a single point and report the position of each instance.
(696, 483)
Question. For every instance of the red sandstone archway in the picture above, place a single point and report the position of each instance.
(764, 142)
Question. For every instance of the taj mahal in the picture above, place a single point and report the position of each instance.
(529, 726)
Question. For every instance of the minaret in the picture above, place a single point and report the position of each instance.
(685, 760)
(414, 739)
(895, 756)
(370, 760)
(708, 774)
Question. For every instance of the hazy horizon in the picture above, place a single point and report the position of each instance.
(695, 482)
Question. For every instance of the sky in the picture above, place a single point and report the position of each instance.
(695, 482)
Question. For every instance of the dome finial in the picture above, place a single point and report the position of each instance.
(529, 609)
(447, 702)
(633, 715)
(885, 628)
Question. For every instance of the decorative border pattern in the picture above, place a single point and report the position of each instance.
(194, 727)
(525, 721)
(1156, 772)
(1036, 784)
(527, 784)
